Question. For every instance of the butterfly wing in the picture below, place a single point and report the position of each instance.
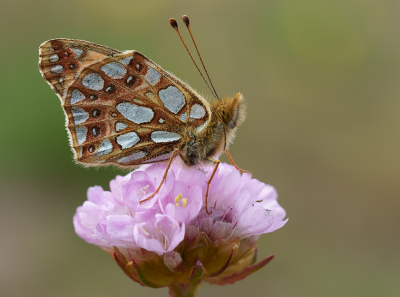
(61, 59)
(121, 108)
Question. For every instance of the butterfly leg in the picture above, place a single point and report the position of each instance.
(233, 163)
(165, 174)
(216, 162)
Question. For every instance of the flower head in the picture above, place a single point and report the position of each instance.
(171, 239)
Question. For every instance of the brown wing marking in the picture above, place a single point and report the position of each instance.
(93, 119)
(191, 96)
(95, 126)
(140, 153)
(61, 59)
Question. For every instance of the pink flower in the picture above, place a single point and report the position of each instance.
(171, 239)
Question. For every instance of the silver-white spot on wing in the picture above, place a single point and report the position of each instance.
(172, 99)
(105, 148)
(120, 126)
(93, 81)
(114, 70)
(128, 140)
(57, 69)
(164, 136)
(152, 76)
(134, 113)
(161, 121)
(79, 114)
(76, 96)
(133, 157)
(197, 111)
(183, 117)
(78, 52)
(158, 158)
(201, 127)
(81, 134)
(126, 60)
(54, 58)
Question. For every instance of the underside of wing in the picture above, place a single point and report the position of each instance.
(61, 59)
(121, 108)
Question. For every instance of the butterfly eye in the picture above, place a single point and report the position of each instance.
(111, 89)
(93, 97)
(225, 115)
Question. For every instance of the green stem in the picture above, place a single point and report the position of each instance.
(184, 290)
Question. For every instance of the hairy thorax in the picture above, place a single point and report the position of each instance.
(226, 116)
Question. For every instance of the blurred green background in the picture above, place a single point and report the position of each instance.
(321, 80)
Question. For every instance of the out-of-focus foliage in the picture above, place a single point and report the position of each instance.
(321, 80)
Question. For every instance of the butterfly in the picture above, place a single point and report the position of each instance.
(123, 109)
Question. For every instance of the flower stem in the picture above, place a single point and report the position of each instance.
(184, 290)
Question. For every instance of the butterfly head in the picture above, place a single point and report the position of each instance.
(230, 112)
(224, 114)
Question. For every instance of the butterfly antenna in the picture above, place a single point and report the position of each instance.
(174, 25)
(185, 19)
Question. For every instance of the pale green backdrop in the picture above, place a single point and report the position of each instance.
(321, 79)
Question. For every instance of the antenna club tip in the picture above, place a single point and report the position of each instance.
(173, 23)
(185, 19)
